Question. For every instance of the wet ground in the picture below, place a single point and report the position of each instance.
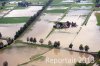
(42, 27)
(9, 30)
(89, 35)
(19, 53)
(27, 12)
(57, 57)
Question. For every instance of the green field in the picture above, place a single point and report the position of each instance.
(37, 2)
(98, 18)
(11, 20)
(97, 9)
(56, 11)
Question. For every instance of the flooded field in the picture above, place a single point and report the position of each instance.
(9, 30)
(57, 57)
(89, 35)
(27, 12)
(42, 27)
(19, 53)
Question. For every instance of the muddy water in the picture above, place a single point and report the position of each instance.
(30, 11)
(41, 28)
(57, 57)
(9, 30)
(89, 35)
(19, 54)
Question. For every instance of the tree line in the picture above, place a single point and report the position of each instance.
(81, 47)
(31, 20)
(56, 44)
(22, 29)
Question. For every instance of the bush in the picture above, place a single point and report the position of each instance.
(41, 41)
(98, 62)
(98, 54)
(49, 43)
(80, 64)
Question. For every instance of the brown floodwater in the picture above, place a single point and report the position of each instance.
(19, 54)
(58, 57)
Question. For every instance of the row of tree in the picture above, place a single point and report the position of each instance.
(31, 20)
(81, 47)
(9, 41)
(56, 44)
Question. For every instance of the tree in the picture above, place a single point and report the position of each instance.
(0, 35)
(57, 44)
(3, 4)
(28, 39)
(9, 41)
(34, 40)
(49, 43)
(41, 41)
(31, 39)
(98, 54)
(1, 45)
(81, 47)
(98, 62)
(86, 48)
(5, 63)
(71, 46)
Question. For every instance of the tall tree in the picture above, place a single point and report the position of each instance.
(0, 35)
(55, 44)
(1, 45)
(86, 48)
(34, 40)
(81, 47)
(28, 39)
(49, 43)
(5, 63)
(41, 41)
(71, 46)
(31, 39)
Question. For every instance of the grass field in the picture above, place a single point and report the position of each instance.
(98, 18)
(56, 11)
(11, 20)
(37, 1)
(97, 9)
